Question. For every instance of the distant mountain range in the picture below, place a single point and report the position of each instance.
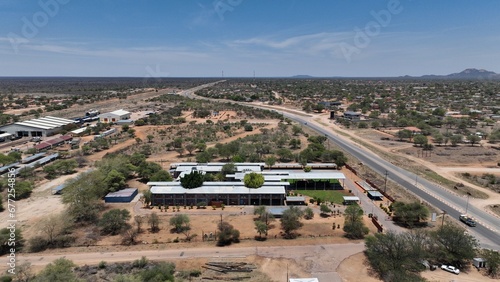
(465, 74)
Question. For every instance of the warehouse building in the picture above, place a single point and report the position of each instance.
(114, 116)
(40, 127)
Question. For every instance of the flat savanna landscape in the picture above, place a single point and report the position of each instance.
(158, 141)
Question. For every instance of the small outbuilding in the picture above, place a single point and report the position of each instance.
(114, 116)
(375, 195)
(122, 196)
(348, 200)
(295, 201)
(479, 262)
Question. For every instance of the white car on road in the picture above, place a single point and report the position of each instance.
(450, 268)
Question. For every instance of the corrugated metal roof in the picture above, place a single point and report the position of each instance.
(351, 198)
(120, 112)
(33, 125)
(217, 190)
(295, 199)
(214, 183)
(375, 194)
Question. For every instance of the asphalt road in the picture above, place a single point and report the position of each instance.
(487, 229)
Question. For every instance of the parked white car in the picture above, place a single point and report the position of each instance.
(450, 268)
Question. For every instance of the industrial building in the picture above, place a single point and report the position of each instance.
(114, 116)
(40, 127)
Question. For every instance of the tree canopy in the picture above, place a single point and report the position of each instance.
(253, 180)
(354, 226)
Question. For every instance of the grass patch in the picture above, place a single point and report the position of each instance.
(325, 195)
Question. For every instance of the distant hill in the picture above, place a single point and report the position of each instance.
(466, 74)
(302, 76)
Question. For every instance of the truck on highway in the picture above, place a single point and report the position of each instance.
(467, 220)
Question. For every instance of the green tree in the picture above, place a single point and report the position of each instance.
(82, 194)
(161, 175)
(438, 139)
(296, 130)
(410, 214)
(492, 262)
(405, 133)
(290, 221)
(354, 226)
(227, 234)
(114, 181)
(147, 196)
(6, 243)
(23, 189)
(154, 222)
(420, 140)
(260, 227)
(455, 139)
(59, 270)
(160, 272)
(180, 223)
(114, 222)
(396, 256)
(308, 213)
(228, 168)
(325, 210)
(192, 180)
(270, 161)
(453, 245)
(253, 180)
(473, 139)
(150, 138)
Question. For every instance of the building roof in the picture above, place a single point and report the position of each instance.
(351, 198)
(280, 190)
(127, 192)
(79, 130)
(375, 194)
(213, 183)
(47, 122)
(120, 112)
(295, 199)
(351, 113)
(365, 186)
(286, 175)
(276, 211)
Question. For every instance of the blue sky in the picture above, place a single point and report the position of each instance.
(167, 38)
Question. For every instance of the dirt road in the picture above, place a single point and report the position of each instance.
(319, 260)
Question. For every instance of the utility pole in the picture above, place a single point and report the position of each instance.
(442, 222)
(385, 181)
